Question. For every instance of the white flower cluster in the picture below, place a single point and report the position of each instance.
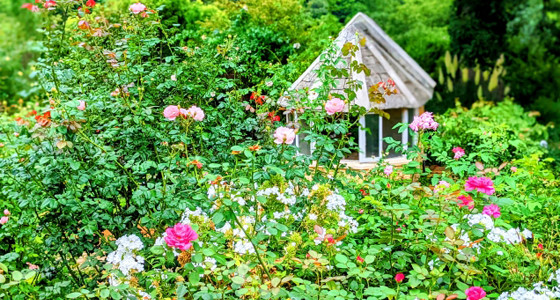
(539, 292)
(335, 202)
(243, 247)
(496, 234)
(346, 220)
(125, 258)
(288, 197)
(209, 263)
(187, 214)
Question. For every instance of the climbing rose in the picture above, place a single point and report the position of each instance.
(7, 212)
(492, 210)
(334, 105)
(475, 293)
(359, 259)
(459, 152)
(195, 112)
(482, 184)
(90, 3)
(137, 8)
(180, 236)
(284, 135)
(388, 170)
(424, 122)
(4, 220)
(30, 7)
(467, 201)
(171, 112)
(50, 3)
(399, 277)
(82, 105)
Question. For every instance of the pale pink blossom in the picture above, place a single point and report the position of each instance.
(284, 135)
(82, 105)
(482, 184)
(459, 152)
(424, 122)
(388, 170)
(7, 212)
(180, 236)
(4, 220)
(492, 210)
(171, 112)
(32, 266)
(137, 8)
(441, 186)
(513, 169)
(174, 77)
(195, 112)
(334, 105)
(475, 293)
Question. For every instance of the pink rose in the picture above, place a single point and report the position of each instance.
(467, 201)
(334, 105)
(459, 152)
(475, 293)
(82, 105)
(482, 184)
(171, 112)
(195, 112)
(180, 236)
(399, 277)
(7, 212)
(388, 170)
(513, 169)
(137, 8)
(284, 135)
(4, 220)
(492, 210)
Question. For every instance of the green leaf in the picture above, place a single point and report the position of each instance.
(17, 276)
(238, 280)
(74, 295)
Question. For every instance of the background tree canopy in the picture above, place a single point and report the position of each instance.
(478, 32)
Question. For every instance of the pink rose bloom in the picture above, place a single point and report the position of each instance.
(195, 112)
(388, 170)
(334, 105)
(467, 201)
(284, 135)
(459, 152)
(4, 220)
(82, 105)
(513, 169)
(180, 236)
(399, 277)
(482, 184)
(171, 112)
(424, 122)
(492, 210)
(7, 212)
(475, 293)
(137, 8)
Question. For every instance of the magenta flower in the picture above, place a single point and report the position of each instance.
(467, 201)
(459, 152)
(492, 210)
(424, 122)
(180, 236)
(482, 184)
(171, 112)
(475, 293)
(388, 170)
(334, 105)
(284, 135)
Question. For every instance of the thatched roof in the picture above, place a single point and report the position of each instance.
(385, 59)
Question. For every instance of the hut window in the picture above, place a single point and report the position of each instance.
(372, 136)
(395, 117)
